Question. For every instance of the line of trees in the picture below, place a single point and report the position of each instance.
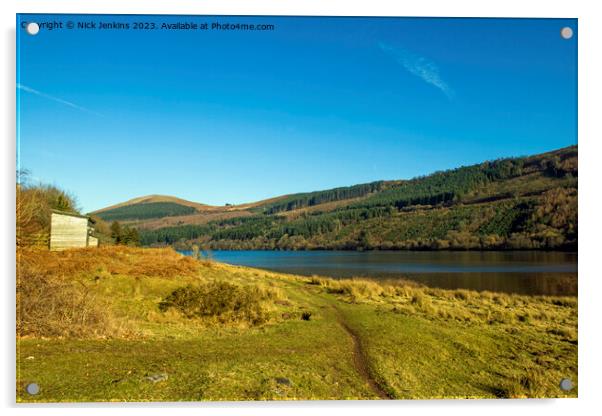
(124, 235)
(309, 199)
(545, 221)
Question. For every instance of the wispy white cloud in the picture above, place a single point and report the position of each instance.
(419, 66)
(56, 99)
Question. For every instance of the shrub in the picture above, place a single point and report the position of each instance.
(33, 207)
(223, 301)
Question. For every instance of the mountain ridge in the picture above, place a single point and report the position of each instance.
(525, 202)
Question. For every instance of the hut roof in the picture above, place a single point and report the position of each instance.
(73, 214)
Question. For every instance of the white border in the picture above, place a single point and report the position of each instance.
(590, 137)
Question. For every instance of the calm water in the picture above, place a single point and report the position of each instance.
(525, 272)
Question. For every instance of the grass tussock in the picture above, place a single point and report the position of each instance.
(532, 383)
(461, 305)
(223, 302)
(358, 290)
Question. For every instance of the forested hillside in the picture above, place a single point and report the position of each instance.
(515, 203)
(145, 211)
(310, 199)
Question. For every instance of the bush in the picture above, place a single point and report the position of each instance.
(223, 301)
(34, 205)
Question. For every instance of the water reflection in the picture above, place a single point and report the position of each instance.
(524, 272)
(557, 284)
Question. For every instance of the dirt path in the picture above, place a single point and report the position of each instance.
(359, 358)
(360, 361)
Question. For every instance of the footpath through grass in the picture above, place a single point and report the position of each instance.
(270, 336)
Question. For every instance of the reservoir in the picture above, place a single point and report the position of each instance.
(521, 272)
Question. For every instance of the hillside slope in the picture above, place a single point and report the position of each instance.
(516, 203)
(158, 211)
(148, 199)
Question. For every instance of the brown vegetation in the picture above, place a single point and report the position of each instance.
(108, 260)
(48, 306)
(54, 296)
(33, 207)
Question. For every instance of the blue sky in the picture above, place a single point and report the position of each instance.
(237, 116)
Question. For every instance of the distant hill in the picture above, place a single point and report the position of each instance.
(514, 203)
(150, 207)
(151, 199)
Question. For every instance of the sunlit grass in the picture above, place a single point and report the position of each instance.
(103, 331)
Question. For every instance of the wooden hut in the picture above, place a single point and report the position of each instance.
(68, 230)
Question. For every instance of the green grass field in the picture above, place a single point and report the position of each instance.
(281, 337)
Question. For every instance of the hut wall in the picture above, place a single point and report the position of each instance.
(67, 231)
